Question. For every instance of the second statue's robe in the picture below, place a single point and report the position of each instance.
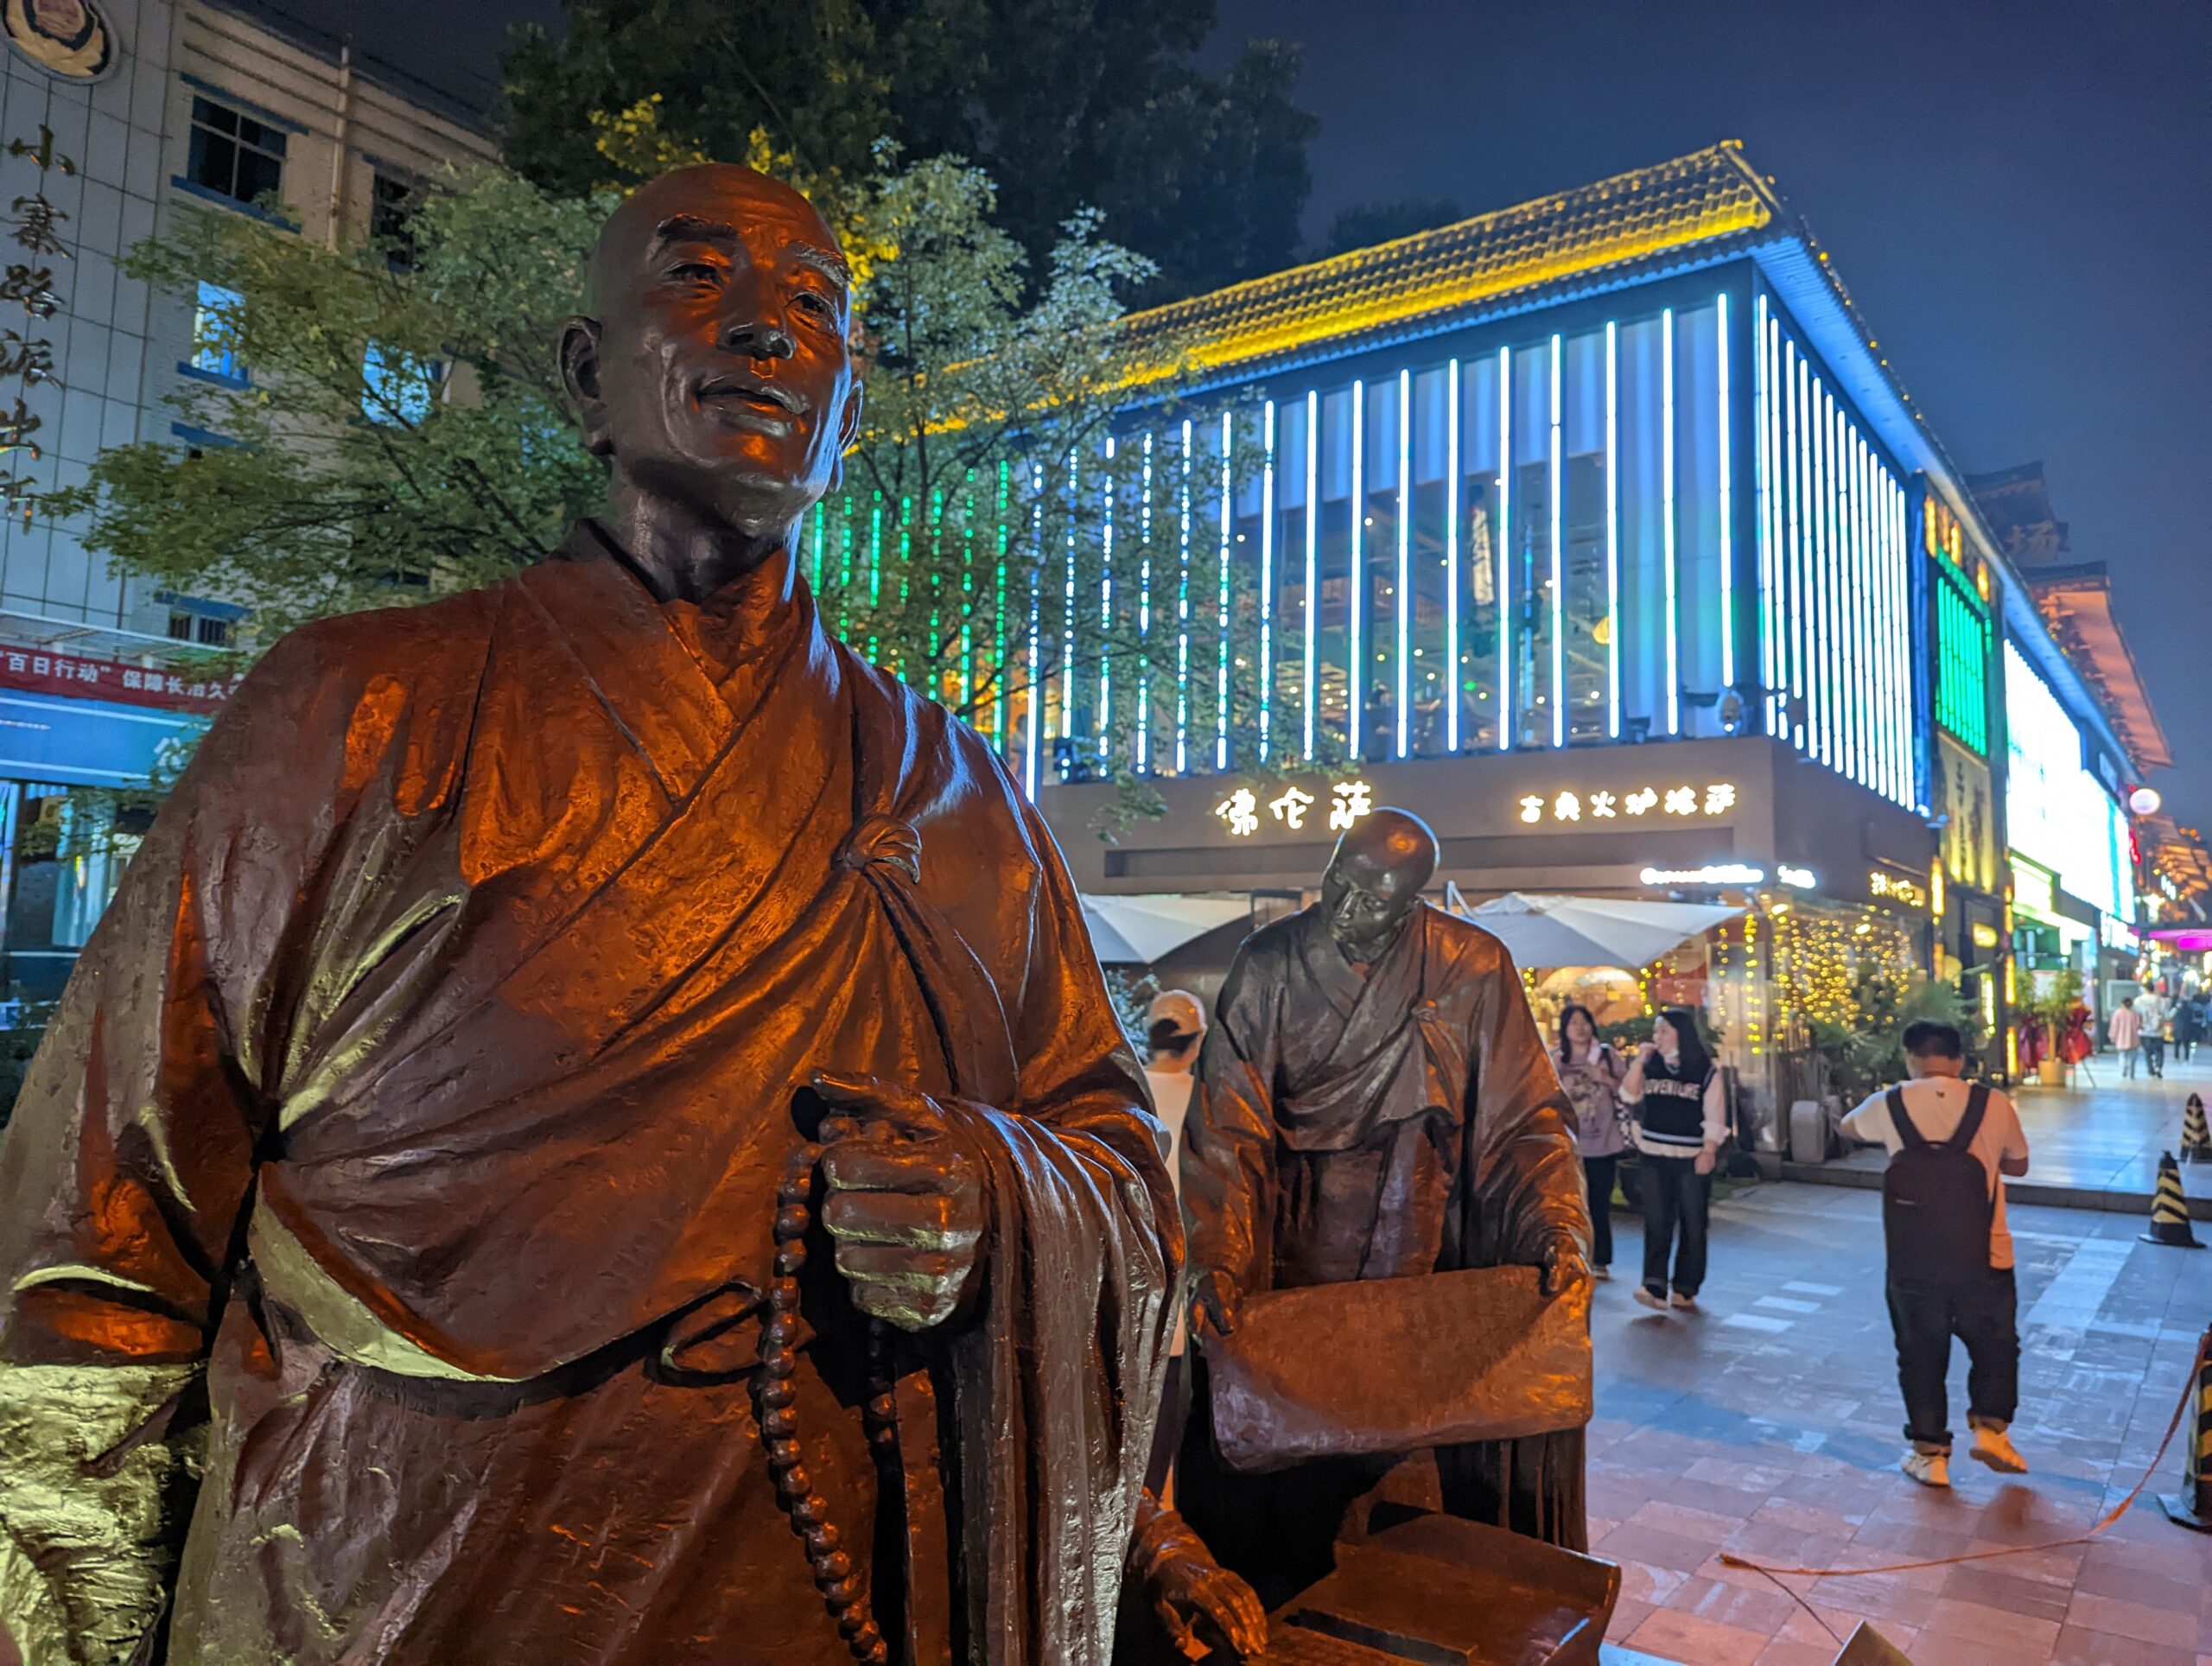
(419, 1107)
(1351, 1124)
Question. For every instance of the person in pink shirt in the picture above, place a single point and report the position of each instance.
(2124, 1029)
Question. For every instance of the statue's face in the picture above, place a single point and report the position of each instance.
(717, 373)
(1366, 898)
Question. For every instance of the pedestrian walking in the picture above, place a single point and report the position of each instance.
(2188, 1022)
(2152, 1008)
(1950, 1253)
(1592, 1072)
(1680, 1105)
(1175, 1023)
(2124, 1029)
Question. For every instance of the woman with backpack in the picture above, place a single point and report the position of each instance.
(1592, 1072)
(1681, 1107)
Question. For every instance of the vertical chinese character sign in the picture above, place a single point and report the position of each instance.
(27, 354)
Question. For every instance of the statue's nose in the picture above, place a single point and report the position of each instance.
(759, 339)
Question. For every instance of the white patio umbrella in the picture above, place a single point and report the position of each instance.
(1138, 929)
(1552, 930)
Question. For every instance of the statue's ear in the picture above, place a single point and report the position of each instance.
(580, 376)
(849, 428)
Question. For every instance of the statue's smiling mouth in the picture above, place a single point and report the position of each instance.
(738, 394)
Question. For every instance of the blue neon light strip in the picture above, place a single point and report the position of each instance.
(1405, 596)
(1727, 511)
(1036, 632)
(1144, 611)
(1354, 654)
(1502, 557)
(1667, 517)
(1453, 675)
(1559, 558)
(1313, 555)
(1183, 612)
(1267, 578)
(1067, 608)
(1221, 603)
(1612, 531)
(1106, 601)
(1796, 455)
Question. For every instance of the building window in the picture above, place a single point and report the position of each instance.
(233, 154)
(392, 215)
(396, 387)
(200, 628)
(215, 318)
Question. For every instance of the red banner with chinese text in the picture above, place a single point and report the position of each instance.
(41, 670)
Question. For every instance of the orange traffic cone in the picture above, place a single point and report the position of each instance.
(2169, 1208)
(2195, 1139)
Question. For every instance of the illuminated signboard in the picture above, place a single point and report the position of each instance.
(1242, 810)
(1715, 798)
(1721, 873)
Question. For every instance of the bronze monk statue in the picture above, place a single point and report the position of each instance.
(592, 1131)
(1373, 1101)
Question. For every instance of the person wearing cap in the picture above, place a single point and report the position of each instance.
(1174, 1025)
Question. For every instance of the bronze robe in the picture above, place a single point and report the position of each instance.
(1347, 1127)
(428, 1086)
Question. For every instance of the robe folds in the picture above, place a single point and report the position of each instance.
(428, 1086)
(1350, 1125)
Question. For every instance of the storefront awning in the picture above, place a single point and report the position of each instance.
(1138, 929)
(1543, 931)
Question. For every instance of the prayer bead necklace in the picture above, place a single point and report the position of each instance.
(773, 1397)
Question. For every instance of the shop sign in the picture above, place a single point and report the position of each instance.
(1241, 811)
(1716, 798)
(40, 672)
(1721, 873)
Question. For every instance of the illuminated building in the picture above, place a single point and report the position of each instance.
(1599, 532)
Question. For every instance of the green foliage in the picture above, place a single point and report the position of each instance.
(17, 1044)
(347, 488)
(1067, 103)
(1368, 223)
(2057, 992)
(1870, 1052)
(404, 434)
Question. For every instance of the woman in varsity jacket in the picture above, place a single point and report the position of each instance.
(1681, 1116)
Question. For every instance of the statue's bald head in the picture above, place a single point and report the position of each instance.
(714, 366)
(1374, 880)
(714, 193)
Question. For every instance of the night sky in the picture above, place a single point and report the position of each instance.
(2018, 196)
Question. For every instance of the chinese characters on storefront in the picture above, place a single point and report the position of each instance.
(40, 672)
(1241, 812)
(1716, 798)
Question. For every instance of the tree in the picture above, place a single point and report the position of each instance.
(401, 435)
(1064, 103)
(398, 434)
(1370, 223)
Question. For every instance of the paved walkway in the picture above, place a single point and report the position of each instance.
(2104, 1138)
(1771, 1425)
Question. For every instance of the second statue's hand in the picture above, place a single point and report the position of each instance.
(905, 1205)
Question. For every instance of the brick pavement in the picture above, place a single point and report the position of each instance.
(1771, 1425)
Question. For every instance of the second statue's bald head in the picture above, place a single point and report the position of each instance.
(1374, 880)
(713, 366)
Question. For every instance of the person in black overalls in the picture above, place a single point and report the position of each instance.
(1682, 1117)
